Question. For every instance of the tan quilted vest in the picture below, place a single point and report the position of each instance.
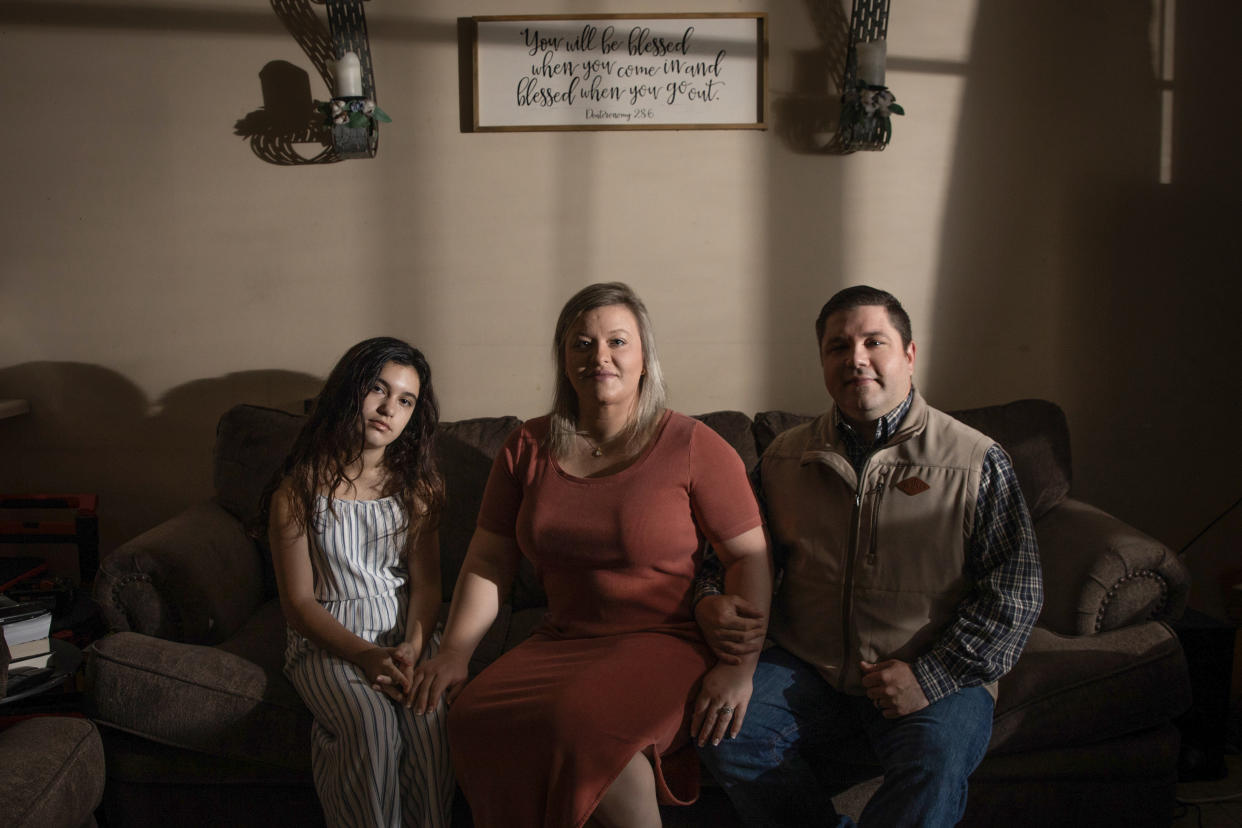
(874, 569)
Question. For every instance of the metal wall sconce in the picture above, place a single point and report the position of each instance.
(352, 137)
(866, 103)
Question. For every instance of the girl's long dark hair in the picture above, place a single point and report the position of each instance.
(331, 440)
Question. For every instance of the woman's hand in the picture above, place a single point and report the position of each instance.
(405, 657)
(721, 705)
(380, 666)
(445, 675)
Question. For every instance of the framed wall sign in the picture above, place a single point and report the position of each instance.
(655, 71)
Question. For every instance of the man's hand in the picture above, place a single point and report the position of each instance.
(892, 688)
(732, 626)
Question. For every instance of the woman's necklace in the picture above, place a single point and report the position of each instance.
(596, 451)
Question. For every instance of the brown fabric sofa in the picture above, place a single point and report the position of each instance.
(201, 728)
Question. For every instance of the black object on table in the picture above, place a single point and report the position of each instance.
(65, 661)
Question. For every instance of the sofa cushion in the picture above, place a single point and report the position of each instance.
(231, 701)
(51, 772)
(251, 443)
(1080, 690)
(737, 430)
(1036, 437)
(768, 424)
(466, 450)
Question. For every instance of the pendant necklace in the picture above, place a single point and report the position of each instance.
(596, 451)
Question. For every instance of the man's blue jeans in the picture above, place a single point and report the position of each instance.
(786, 763)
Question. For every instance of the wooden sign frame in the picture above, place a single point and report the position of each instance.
(618, 72)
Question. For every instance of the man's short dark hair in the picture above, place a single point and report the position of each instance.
(862, 296)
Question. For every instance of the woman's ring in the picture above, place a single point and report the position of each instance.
(727, 710)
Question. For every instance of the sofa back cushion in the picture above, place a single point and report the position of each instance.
(252, 443)
(1036, 436)
(768, 424)
(466, 451)
(737, 430)
(1033, 432)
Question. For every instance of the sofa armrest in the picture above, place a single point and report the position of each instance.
(1079, 690)
(1102, 574)
(211, 700)
(194, 578)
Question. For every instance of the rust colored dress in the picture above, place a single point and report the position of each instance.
(613, 670)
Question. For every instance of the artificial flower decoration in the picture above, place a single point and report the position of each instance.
(865, 114)
(357, 113)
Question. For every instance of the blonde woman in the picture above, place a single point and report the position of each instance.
(612, 497)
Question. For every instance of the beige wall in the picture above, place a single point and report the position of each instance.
(157, 270)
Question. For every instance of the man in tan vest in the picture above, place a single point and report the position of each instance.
(910, 581)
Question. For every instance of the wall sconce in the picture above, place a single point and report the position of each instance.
(352, 112)
(866, 103)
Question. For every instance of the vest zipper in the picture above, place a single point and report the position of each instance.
(877, 492)
(847, 599)
(847, 603)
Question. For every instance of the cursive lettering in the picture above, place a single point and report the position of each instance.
(583, 42)
(642, 42)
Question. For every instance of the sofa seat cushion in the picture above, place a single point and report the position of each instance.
(51, 772)
(1081, 690)
(231, 701)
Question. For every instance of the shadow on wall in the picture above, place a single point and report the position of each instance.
(287, 119)
(806, 116)
(1071, 270)
(288, 116)
(91, 430)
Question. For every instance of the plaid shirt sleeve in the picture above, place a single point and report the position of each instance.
(994, 621)
(709, 580)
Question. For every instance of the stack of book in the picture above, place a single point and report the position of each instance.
(27, 631)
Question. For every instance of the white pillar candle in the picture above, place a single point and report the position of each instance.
(349, 76)
(871, 57)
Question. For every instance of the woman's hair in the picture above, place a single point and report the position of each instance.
(652, 394)
(331, 440)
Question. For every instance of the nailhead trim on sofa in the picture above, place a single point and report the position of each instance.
(1138, 573)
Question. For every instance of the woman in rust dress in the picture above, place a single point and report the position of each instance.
(611, 496)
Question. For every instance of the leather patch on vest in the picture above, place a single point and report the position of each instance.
(912, 486)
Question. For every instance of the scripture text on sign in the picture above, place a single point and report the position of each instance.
(618, 72)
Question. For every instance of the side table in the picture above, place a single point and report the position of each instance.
(1208, 643)
(64, 664)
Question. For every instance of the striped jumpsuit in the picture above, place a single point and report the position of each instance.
(374, 762)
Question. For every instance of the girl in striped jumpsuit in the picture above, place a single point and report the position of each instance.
(352, 525)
